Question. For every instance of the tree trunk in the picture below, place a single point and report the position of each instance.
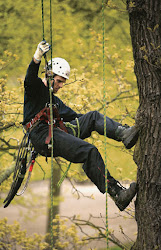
(145, 28)
(56, 196)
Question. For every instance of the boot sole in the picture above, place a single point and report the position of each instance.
(131, 140)
(125, 204)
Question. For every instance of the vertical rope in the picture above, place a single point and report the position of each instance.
(104, 101)
(51, 41)
(51, 122)
(52, 148)
(42, 8)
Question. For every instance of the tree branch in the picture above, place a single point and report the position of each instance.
(80, 223)
(6, 146)
(6, 174)
(7, 126)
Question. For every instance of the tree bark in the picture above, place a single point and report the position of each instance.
(145, 29)
(56, 196)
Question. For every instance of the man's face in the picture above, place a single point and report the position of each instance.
(58, 83)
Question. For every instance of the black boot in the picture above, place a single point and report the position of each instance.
(128, 135)
(122, 196)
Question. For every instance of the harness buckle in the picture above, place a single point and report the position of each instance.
(30, 123)
(54, 122)
(49, 146)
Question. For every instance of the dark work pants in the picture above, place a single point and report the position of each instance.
(75, 149)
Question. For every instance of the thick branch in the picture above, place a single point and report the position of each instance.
(6, 174)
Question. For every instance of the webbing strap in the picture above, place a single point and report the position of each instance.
(58, 123)
(37, 118)
(48, 138)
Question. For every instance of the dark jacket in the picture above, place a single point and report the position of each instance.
(37, 95)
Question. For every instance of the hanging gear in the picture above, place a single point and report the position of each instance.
(42, 48)
(23, 163)
(60, 67)
(33, 155)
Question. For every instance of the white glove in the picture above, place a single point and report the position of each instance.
(42, 48)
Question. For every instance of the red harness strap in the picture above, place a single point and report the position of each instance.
(58, 122)
(44, 115)
(48, 138)
(58, 119)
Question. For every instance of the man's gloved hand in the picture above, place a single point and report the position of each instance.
(42, 48)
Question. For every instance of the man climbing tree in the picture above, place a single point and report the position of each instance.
(71, 128)
(145, 28)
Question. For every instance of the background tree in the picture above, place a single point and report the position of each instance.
(145, 29)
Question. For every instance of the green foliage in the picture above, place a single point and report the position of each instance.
(81, 45)
(85, 92)
(21, 28)
(77, 36)
(67, 235)
(10, 111)
(11, 99)
(12, 237)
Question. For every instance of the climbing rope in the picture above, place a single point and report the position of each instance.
(52, 139)
(51, 121)
(42, 8)
(104, 104)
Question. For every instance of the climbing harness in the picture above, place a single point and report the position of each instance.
(56, 121)
(44, 115)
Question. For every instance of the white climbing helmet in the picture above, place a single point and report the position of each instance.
(60, 67)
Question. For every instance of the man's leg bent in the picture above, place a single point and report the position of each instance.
(94, 121)
(76, 150)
